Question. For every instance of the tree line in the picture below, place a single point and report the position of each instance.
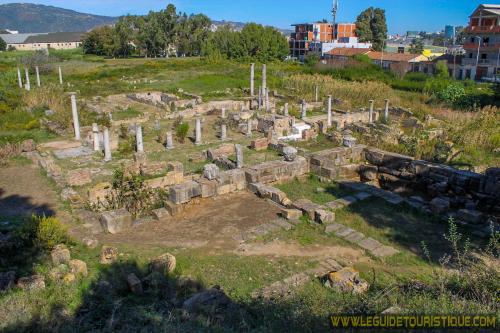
(169, 33)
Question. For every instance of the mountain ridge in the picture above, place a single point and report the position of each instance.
(36, 18)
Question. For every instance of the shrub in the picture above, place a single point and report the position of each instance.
(181, 129)
(43, 232)
(130, 192)
(452, 93)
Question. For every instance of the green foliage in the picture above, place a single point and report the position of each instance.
(442, 69)
(3, 45)
(312, 59)
(253, 42)
(181, 131)
(453, 93)
(153, 35)
(130, 192)
(43, 232)
(371, 26)
(417, 46)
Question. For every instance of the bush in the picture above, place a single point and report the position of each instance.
(181, 129)
(43, 232)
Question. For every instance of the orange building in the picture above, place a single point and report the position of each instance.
(321, 32)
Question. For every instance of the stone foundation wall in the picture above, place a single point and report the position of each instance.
(441, 188)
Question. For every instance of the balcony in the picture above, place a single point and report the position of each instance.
(482, 62)
(484, 29)
(484, 46)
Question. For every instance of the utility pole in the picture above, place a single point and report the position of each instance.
(335, 8)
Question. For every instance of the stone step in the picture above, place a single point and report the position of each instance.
(282, 224)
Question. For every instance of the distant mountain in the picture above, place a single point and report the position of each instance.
(26, 17)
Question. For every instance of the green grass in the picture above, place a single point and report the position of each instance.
(313, 189)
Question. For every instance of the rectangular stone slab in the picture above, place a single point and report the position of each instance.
(282, 224)
(355, 237)
(344, 232)
(369, 244)
(333, 228)
(384, 251)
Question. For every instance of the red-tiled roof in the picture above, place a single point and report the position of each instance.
(396, 57)
(347, 52)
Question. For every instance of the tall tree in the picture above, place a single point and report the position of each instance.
(371, 26)
(3, 45)
(417, 46)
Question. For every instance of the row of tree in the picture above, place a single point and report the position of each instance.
(156, 34)
(167, 32)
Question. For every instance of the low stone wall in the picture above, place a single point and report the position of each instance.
(440, 188)
(14, 149)
(456, 188)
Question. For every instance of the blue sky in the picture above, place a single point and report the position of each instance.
(403, 15)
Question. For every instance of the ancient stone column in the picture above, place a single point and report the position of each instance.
(19, 78)
(370, 116)
(37, 70)
(303, 109)
(223, 113)
(249, 127)
(239, 156)
(252, 79)
(60, 76)
(264, 77)
(139, 140)
(268, 108)
(198, 131)
(74, 112)
(285, 110)
(28, 84)
(260, 98)
(170, 140)
(329, 111)
(316, 92)
(223, 132)
(107, 146)
(95, 135)
(386, 111)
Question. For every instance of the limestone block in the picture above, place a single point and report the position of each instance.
(134, 284)
(78, 267)
(307, 207)
(221, 151)
(291, 214)
(115, 221)
(108, 255)
(34, 282)
(440, 205)
(211, 171)
(226, 189)
(175, 166)
(160, 213)
(469, 216)
(150, 169)
(368, 173)
(259, 144)
(164, 264)
(208, 187)
(172, 208)
(289, 153)
(171, 178)
(60, 255)
(182, 193)
(324, 216)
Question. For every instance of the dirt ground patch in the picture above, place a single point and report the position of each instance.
(24, 191)
(212, 224)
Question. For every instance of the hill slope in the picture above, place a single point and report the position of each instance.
(26, 17)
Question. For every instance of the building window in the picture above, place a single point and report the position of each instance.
(484, 56)
(470, 55)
